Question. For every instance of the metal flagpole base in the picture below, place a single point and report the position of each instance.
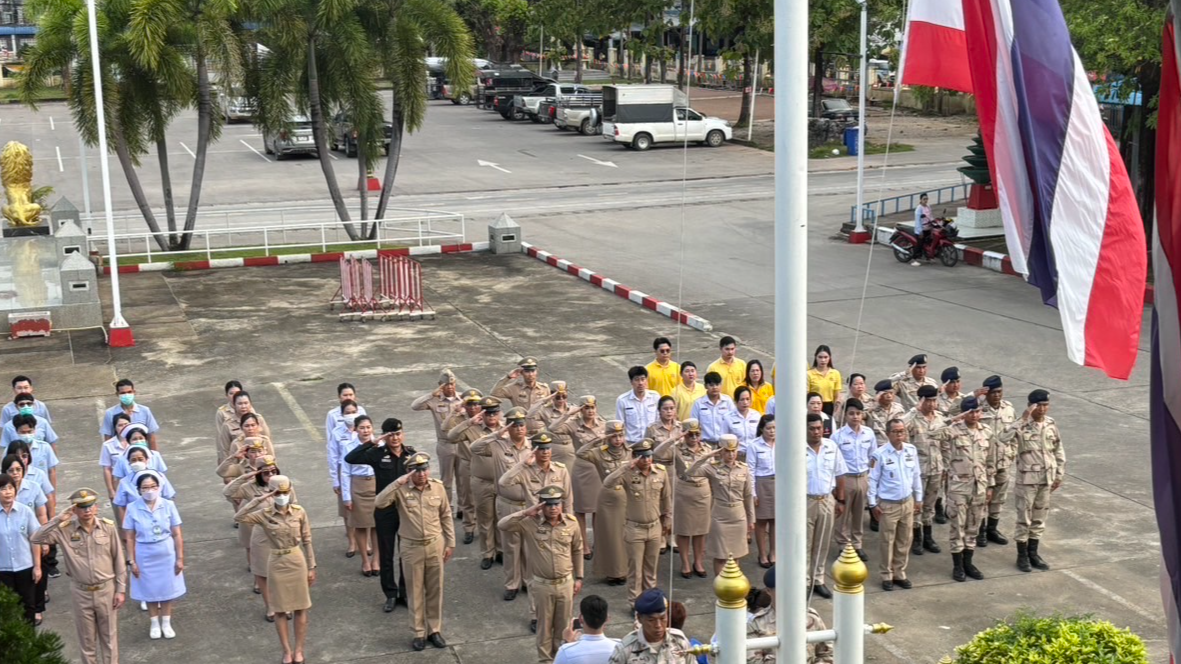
(859, 237)
(120, 334)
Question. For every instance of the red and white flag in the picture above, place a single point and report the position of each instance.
(935, 46)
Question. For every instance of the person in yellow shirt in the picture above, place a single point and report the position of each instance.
(728, 366)
(663, 374)
(688, 391)
(824, 379)
(760, 389)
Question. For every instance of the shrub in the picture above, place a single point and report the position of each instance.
(1057, 639)
(20, 642)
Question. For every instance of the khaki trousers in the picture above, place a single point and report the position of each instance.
(820, 511)
(484, 497)
(1033, 505)
(643, 542)
(97, 623)
(510, 544)
(423, 565)
(1000, 493)
(964, 514)
(448, 454)
(850, 527)
(897, 531)
(932, 491)
(466, 502)
(555, 606)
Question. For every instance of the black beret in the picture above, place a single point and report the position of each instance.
(652, 602)
(883, 385)
(992, 382)
(969, 403)
(769, 578)
(391, 425)
(919, 359)
(949, 374)
(1039, 396)
(928, 391)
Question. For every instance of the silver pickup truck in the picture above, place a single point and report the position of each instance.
(582, 113)
(530, 103)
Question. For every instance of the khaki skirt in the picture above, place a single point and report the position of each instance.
(765, 489)
(244, 534)
(287, 581)
(364, 494)
(563, 453)
(727, 533)
(586, 486)
(610, 550)
(691, 508)
(260, 551)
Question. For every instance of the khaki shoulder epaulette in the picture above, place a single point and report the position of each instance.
(604, 448)
(108, 521)
(559, 464)
(296, 507)
(436, 481)
(659, 466)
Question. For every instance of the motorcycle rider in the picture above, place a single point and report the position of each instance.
(922, 227)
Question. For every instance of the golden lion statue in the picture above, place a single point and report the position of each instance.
(16, 172)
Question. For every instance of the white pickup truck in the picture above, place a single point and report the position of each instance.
(639, 116)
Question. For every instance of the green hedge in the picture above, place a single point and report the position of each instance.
(20, 642)
(1029, 639)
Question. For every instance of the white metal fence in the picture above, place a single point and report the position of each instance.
(273, 229)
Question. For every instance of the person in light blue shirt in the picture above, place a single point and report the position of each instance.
(588, 644)
(20, 569)
(42, 429)
(139, 413)
(638, 407)
(358, 491)
(22, 385)
(856, 443)
(41, 453)
(136, 434)
(713, 410)
(896, 496)
(30, 494)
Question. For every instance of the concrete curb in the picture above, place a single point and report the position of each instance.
(626, 292)
(992, 260)
(290, 259)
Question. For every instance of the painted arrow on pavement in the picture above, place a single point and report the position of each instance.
(481, 162)
(601, 163)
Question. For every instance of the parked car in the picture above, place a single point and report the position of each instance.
(639, 116)
(343, 135)
(837, 109)
(582, 113)
(236, 107)
(531, 103)
(297, 140)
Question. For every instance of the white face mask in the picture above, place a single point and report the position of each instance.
(138, 466)
(282, 499)
(150, 495)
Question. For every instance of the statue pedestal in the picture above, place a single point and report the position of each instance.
(969, 218)
(27, 231)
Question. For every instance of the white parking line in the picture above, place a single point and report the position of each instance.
(187, 149)
(60, 167)
(52, 127)
(334, 157)
(264, 157)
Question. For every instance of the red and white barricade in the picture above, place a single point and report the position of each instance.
(355, 295)
(401, 288)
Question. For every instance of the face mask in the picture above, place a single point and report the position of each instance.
(26, 410)
(127, 399)
(138, 466)
(28, 438)
(150, 495)
(282, 499)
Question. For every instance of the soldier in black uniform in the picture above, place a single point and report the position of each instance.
(387, 456)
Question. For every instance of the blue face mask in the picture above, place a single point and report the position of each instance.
(28, 438)
(25, 410)
(127, 399)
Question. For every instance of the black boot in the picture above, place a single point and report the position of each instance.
(940, 515)
(1023, 557)
(957, 570)
(995, 535)
(981, 537)
(916, 542)
(929, 541)
(969, 568)
(1034, 558)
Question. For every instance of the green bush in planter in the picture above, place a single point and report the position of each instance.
(20, 642)
(1030, 639)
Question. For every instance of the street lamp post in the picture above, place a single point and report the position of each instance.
(120, 332)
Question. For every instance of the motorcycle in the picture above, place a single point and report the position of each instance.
(941, 244)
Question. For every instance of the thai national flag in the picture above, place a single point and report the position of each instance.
(1165, 398)
(934, 46)
(1071, 220)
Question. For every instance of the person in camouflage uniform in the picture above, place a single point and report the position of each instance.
(966, 448)
(654, 642)
(763, 624)
(996, 414)
(1040, 469)
(920, 422)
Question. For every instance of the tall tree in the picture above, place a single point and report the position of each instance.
(750, 27)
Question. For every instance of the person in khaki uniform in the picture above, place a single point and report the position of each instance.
(291, 567)
(907, 383)
(428, 541)
(996, 414)
(537, 470)
(611, 510)
(948, 403)
(1041, 467)
(966, 447)
(920, 422)
(732, 488)
(484, 423)
(549, 411)
(504, 453)
(884, 408)
(666, 430)
(553, 548)
(649, 514)
(653, 641)
(582, 426)
(895, 495)
(442, 403)
(521, 389)
(462, 428)
(240, 461)
(98, 572)
(691, 498)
